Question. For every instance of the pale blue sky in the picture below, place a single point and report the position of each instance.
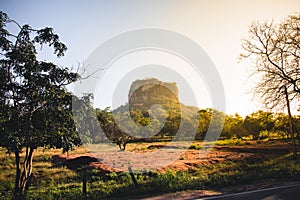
(216, 25)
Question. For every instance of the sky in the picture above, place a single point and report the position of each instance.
(217, 26)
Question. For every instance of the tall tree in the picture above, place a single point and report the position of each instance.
(276, 52)
(86, 119)
(35, 105)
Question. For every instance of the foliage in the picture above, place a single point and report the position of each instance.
(256, 122)
(234, 127)
(85, 117)
(260, 121)
(210, 124)
(35, 105)
(111, 130)
(132, 123)
(258, 125)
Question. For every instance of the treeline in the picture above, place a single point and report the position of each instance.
(260, 125)
(125, 124)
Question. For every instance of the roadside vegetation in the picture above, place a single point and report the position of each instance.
(54, 181)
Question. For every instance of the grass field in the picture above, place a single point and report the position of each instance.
(231, 164)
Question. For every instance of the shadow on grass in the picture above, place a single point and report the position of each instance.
(213, 177)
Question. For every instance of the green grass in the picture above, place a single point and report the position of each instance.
(57, 182)
(227, 142)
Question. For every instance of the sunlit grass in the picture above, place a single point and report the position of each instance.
(58, 182)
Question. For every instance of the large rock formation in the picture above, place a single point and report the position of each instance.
(147, 92)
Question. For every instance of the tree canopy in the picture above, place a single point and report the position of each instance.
(35, 105)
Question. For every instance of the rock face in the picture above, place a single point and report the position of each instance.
(151, 91)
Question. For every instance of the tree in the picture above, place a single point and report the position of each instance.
(204, 120)
(210, 124)
(86, 120)
(233, 126)
(259, 121)
(253, 125)
(276, 52)
(282, 124)
(142, 118)
(111, 129)
(267, 121)
(35, 105)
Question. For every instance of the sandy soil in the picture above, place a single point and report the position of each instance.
(148, 157)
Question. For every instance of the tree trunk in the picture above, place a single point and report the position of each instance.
(84, 179)
(298, 136)
(18, 172)
(124, 146)
(120, 145)
(27, 172)
(22, 179)
(290, 123)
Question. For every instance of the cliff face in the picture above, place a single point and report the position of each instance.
(151, 91)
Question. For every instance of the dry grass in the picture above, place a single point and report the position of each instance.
(43, 169)
(222, 168)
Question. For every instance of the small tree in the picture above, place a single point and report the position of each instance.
(233, 126)
(282, 124)
(210, 124)
(35, 105)
(259, 121)
(253, 126)
(204, 120)
(111, 129)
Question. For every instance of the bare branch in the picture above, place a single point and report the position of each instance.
(275, 49)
